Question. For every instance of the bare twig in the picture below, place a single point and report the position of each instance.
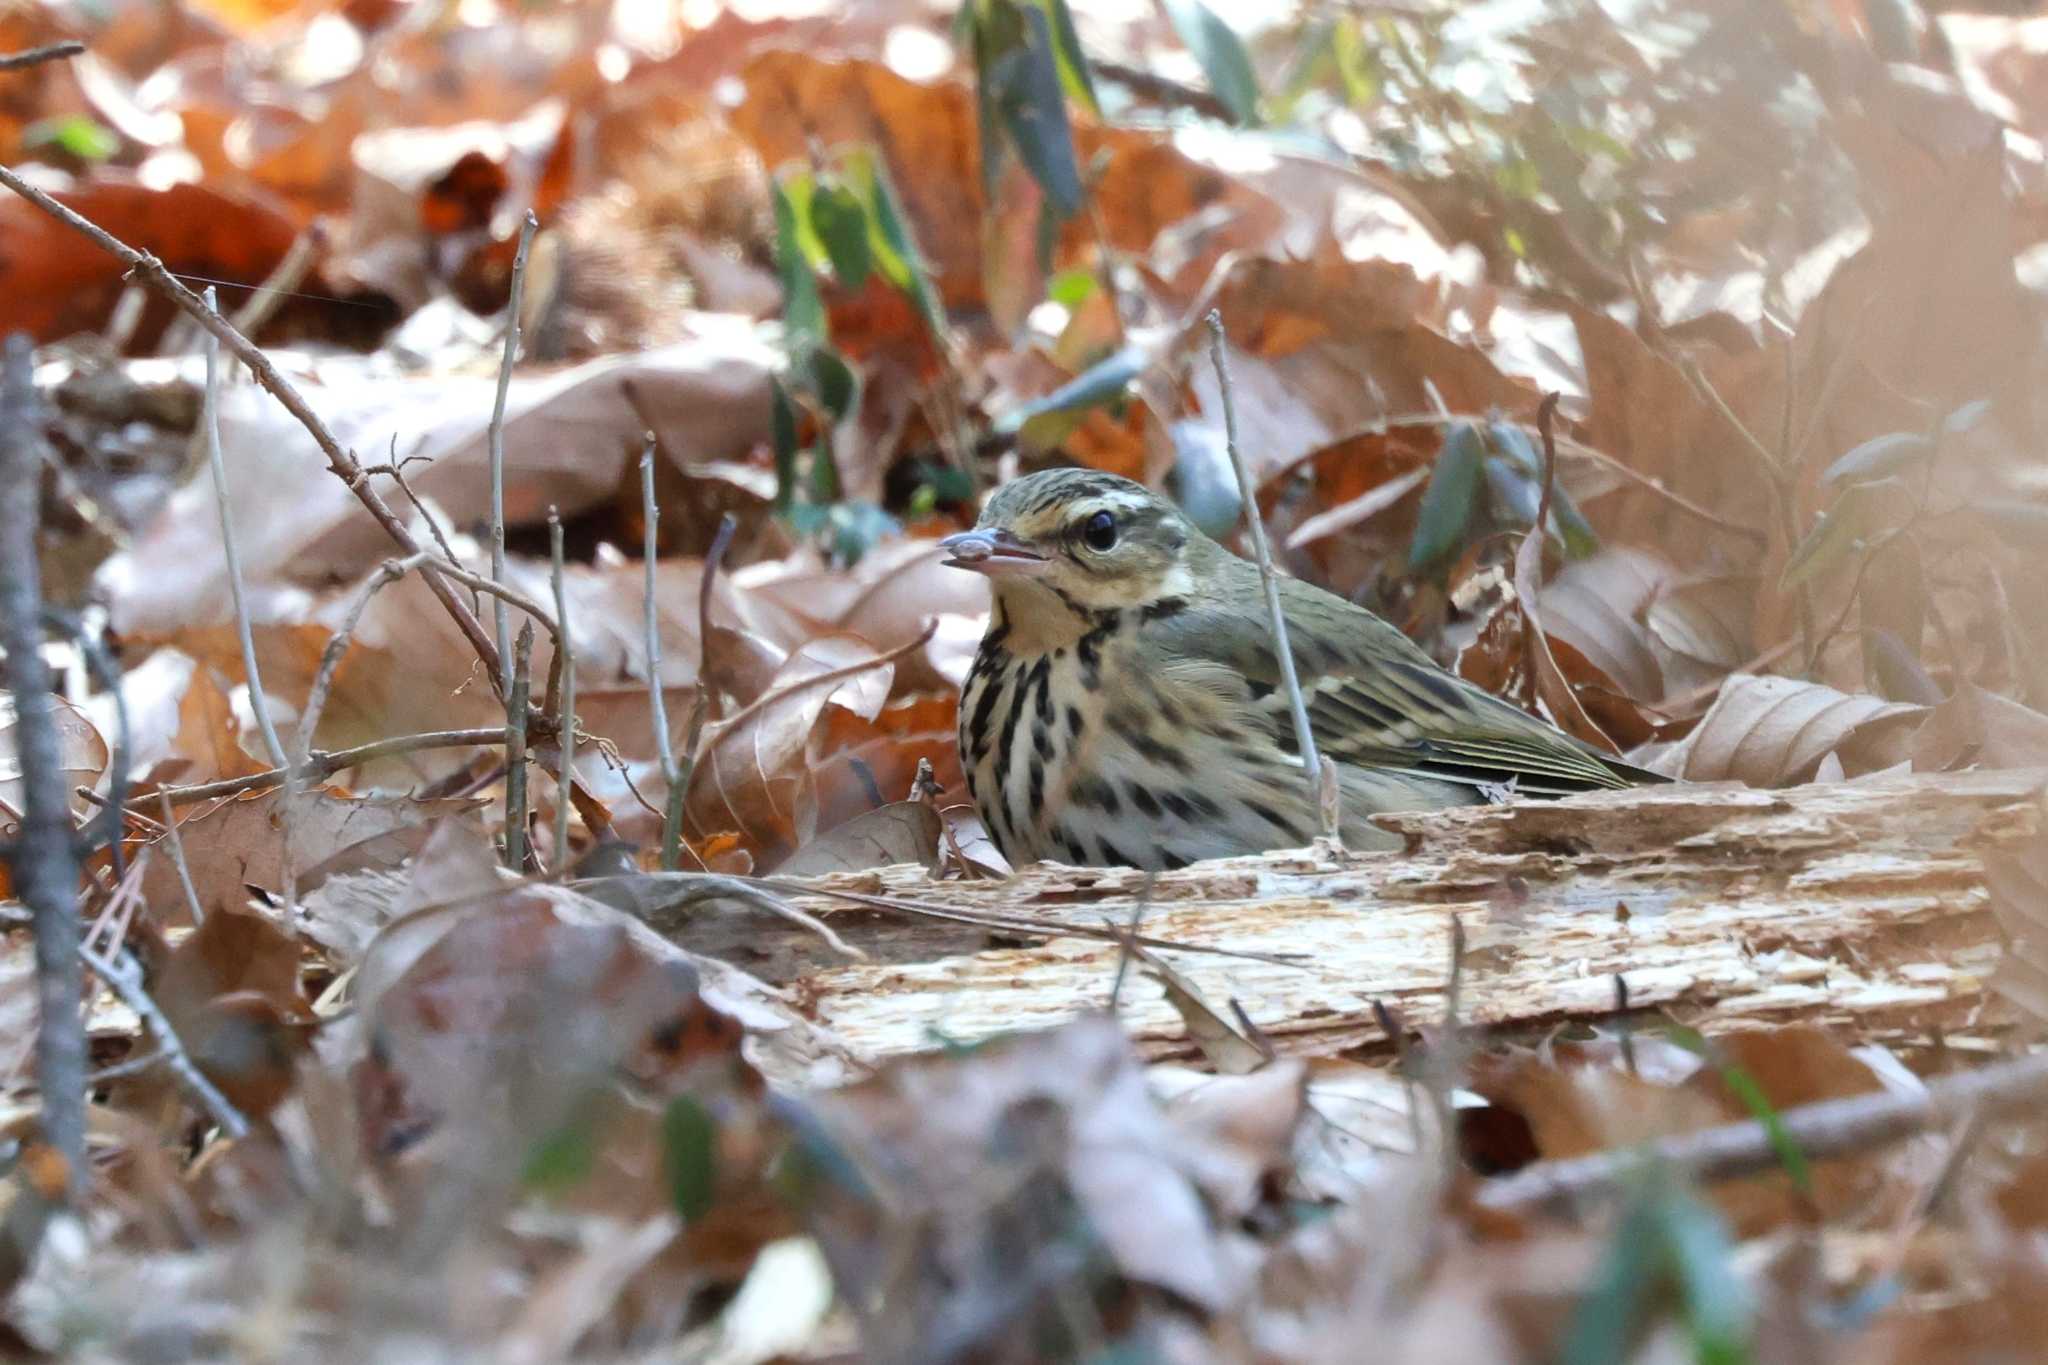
(664, 746)
(565, 659)
(1027, 922)
(515, 750)
(776, 695)
(123, 975)
(503, 591)
(209, 422)
(1304, 736)
(1828, 1128)
(34, 56)
(151, 272)
(174, 844)
(497, 428)
(1127, 944)
(43, 861)
(319, 765)
(390, 571)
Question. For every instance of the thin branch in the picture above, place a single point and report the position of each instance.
(1304, 736)
(320, 765)
(43, 860)
(174, 844)
(515, 749)
(1827, 1128)
(565, 659)
(777, 695)
(503, 591)
(209, 422)
(123, 975)
(497, 429)
(390, 571)
(664, 746)
(35, 56)
(345, 466)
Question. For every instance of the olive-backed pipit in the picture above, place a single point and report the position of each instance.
(1126, 705)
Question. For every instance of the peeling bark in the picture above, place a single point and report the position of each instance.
(1860, 907)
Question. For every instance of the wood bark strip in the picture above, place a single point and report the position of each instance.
(1856, 906)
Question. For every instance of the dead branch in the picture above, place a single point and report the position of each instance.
(1828, 1128)
(42, 858)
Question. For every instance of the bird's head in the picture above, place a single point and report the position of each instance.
(1077, 541)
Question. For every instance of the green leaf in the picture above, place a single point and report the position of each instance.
(75, 134)
(834, 383)
(782, 425)
(841, 222)
(1448, 500)
(1516, 496)
(1879, 457)
(1838, 530)
(824, 473)
(689, 1156)
(1025, 82)
(1072, 288)
(1763, 1111)
(895, 251)
(1100, 384)
(1222, 56)
(1717, 1305)
(1618, 1298)
(1073, 63)
(562, 1159)
(803, 311)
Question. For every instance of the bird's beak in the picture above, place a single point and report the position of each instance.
(994, 552)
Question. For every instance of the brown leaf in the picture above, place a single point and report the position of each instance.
(754, 776)
(57, 283)
(82, 754)
(900, 832)
(230, 991)
(1774, 732)
(242, 840)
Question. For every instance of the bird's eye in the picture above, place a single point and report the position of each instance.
(1100, 532)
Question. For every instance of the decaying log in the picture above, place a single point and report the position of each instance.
(1857, 906)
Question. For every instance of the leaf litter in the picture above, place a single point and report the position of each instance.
(574, 1109)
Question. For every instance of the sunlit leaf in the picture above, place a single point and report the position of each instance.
(1838, 530)
(803, 310)
(1448, 500)
(1222, 56)
(76, 134)
(1066, 48)
(841, 222)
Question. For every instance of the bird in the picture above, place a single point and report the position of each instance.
(1126, 707)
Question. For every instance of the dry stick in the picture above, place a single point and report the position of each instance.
(515, 749)
(672, 807)
(209, 421)
(1312, 765)
(390, 571)
(43, 861)
(345, 466)
(320, 765)
(497, 429)
(123, 975)
(33, 56)
(503, 591)
(565, 736)
(831, 675)
(175, 843)
(1828, 1128)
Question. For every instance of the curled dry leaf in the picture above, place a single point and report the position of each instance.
(81, 752)
(900, 832)
(1773, 732)
(754, 775)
